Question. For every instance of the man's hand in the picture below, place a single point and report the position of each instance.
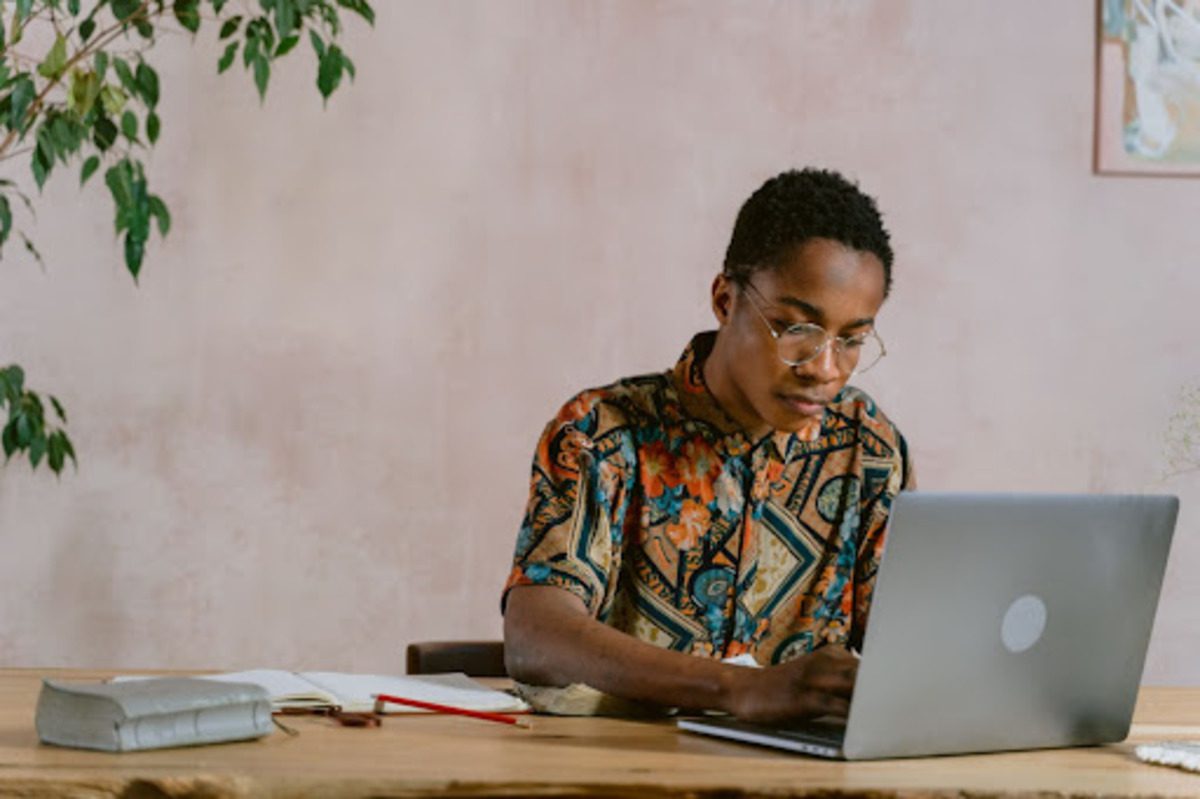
(816, 684)
(551, 639)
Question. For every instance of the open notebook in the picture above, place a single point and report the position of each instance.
(315, 690)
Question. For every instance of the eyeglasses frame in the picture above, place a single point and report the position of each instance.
(840, 342)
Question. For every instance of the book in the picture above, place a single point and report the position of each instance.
(355, 693)
(150, 714)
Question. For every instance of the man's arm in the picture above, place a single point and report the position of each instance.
(551, 639)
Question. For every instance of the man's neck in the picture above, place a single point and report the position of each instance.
(719, 381)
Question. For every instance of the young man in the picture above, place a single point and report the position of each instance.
(735, 504)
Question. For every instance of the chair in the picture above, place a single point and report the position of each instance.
(475, 658)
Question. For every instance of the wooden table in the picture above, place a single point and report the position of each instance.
(457, 757)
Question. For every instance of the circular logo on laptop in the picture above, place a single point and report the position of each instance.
(1024, 622)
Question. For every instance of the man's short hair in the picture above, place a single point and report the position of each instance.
(795, 206)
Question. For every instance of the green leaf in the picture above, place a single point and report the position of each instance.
(251, 50)
(32, 250)
(102, 64)
(230, 27)
(147, 81)
(41, 165)
(139, 221)
(255, 44)
(24, 430)
(329, 15)
(360, 7)
(24, 8)
(126, 75)
(86, 29)
(144, 28)
(22, 95)
(14, 376)
(58, 408)
(56, 60)
(287, 44)
(64, 135)
(37, 448)
(119, 180)
(227, 57)
(83, 89)
(260, 28)
(153, 126)
(129, 125)
(135, 251)
(10, 439)
(329, 72)
(73, 7)
(89, 168)
(188, 14)
(318, 45)
(218, 5)
(158, 209)
(5, 219)
(285, 17)
(262, 74)
(112, 99)
(32, 404)
(56, 454)
(104, 133)
(124, 9)
(128, 187)
(45, 144)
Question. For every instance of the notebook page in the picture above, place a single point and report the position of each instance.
(286, 689)
(356, 691)
(1180, 754)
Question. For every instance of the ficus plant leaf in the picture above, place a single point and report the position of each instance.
(89, 168)
(93, 102)
(56, 59)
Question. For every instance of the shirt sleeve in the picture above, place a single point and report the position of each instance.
(566, 537)
(870, 551)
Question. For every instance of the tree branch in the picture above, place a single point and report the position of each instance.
(101, 39)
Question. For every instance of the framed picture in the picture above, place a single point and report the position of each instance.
(1148, 87)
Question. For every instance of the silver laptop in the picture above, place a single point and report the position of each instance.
(1000, 621)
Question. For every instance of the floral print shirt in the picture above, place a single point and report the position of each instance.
(653, 507)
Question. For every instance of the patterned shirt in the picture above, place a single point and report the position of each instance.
(650, 504)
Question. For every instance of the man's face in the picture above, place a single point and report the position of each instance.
(823, 282)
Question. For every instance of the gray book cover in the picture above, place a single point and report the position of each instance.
(150, 714)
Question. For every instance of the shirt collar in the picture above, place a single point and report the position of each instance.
(699, 403)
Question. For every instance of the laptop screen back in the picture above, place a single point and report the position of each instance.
(1008, 621)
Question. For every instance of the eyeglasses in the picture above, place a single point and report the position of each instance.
(800, 343)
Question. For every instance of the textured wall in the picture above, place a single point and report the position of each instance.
(305, 438)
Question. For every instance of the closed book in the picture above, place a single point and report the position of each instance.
(150, 714)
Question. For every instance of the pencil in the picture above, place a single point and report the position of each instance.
(449, 709)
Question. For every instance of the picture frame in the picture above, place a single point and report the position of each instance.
(1147, 110)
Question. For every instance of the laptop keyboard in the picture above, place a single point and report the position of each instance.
(824, 732)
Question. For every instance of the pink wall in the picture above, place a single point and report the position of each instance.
(305, 438)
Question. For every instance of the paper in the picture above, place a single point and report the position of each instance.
(1181, 754)
(355, 693)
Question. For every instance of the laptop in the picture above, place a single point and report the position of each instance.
(999, 622)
